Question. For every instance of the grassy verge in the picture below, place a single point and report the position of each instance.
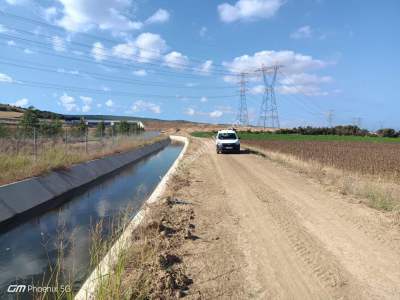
(245, 135)
(18, 166)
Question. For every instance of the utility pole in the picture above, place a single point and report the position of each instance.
(329, 117)
(242, 117)
(269, 108)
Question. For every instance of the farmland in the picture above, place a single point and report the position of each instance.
(380, 159)
(261, 136)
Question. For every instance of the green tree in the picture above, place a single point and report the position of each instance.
(29, 121)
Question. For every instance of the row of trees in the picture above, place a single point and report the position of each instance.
(31, 123)
(340, 130)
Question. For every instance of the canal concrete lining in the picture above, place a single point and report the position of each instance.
(23, 197)
(90, 286)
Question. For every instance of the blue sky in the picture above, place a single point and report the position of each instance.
(180, 59)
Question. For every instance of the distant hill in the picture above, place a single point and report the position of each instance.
(43, 114)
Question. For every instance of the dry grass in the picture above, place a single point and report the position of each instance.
(151, 267)
(17, 166)
(375, 191)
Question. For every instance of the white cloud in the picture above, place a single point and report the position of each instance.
(16, 2)
(141, 105)
(125, 51)
(68, 102)
(140, 73)
(216, 114)
(109, 103)
(5, 78)
(11, 43)
(58, 43)
(309, 90)
(303, 32)
(190, 111)
(258, 89)
(50, 13)
(21, 102)
(176, 60)
(86, 108)
(303, 83)
(28, 51)
(83, 15)
(291, 61)
(203, 31)
(304, 79)
(203, 99)
(3, 29)
(206, 67)
(160, 16)
(150, 46)
(98, 51)
(87, 103)
(249, 10)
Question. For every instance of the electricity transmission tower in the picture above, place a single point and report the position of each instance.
(269, 109)
(357, 122)
(329, 117)
(242, 117)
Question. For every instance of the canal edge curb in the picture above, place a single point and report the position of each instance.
(88, 289)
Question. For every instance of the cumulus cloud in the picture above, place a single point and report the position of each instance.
(109, 103)
(160, 16)
(99, 52)
(305, 79)
(87, 101)
(105, 15)
(216, 114)
(176, 60)
(21, 102)
(190, 111)
(203, 99)
(303, 32)
(292, 61)
(248, 10)
(58, 43)
(28, 51)
(68, 102)
(150, 46)
(50, 13)
(140, 73)
(11, 43)
(125, 51)
(3, 29)
(206, 67)
(141, 105)
(309, 90)
(6, 78)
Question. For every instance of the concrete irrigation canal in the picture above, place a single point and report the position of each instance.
(29, 249)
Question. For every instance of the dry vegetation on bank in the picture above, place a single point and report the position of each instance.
(22, 164)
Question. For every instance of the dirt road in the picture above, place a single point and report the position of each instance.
(267, 232)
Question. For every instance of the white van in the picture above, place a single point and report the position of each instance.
(227, 141)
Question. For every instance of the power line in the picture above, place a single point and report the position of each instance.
(97, 91)
(118, 79)
(92, 36)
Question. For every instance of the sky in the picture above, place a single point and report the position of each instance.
(183, 59)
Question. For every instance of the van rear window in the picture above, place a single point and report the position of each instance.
(227, 136)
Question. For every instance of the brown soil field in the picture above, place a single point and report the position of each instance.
(378, 159)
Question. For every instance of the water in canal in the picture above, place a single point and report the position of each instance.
(26, 251)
